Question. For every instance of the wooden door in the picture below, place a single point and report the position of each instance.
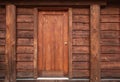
(53, 43)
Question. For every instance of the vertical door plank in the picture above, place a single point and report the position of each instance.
(11, 43)
(70, 42)
(95, 46)
(65, 44)
(35, 41)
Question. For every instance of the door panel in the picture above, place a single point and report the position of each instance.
(52, 40)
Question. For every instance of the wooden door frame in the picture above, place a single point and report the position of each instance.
(36, 10)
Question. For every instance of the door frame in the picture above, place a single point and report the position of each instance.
(36, 11)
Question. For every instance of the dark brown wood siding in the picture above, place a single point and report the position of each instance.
(80, 42)
(25, 33)
(2, 42)
(110, 42)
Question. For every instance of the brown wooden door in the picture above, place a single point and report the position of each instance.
(53, 43)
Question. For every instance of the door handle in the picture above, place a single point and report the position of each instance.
(65, 43)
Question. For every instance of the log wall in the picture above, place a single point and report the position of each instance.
(109, 43)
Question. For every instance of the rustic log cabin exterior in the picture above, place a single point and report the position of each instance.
(77, 40)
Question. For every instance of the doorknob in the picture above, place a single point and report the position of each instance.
(65, 43)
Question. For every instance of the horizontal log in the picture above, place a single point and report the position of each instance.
(2, 65)
(2, 50)
(80, 65)
(110, 73)
(83, 11)
(80, 58)
(110, 49)
(24, 42)
(25, 26)
(110, 18)
(80, 26)
(110, 26)
(2, 73)
(79, 34)
(25, 73)
(110, 42)
(25, 50)
(80, 49)
(2, 18)
(25, 18)
(110, 65)
(81, 18)
(2, 58)
(2, 25)
(110, 57)
(24, 11)
(108, 10)
(80, 73)
(2, 11)
(2, 34)
(80, 41)
(25, 57)
(25, 34)
(25, 66)
(2, 42)
(110, 34)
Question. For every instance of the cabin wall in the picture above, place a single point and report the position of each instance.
(109, 42)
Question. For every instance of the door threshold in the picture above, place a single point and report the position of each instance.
(52, 78)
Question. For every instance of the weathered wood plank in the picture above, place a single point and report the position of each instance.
(110, 49)
(108, 10)
(25, 34)
(2, 11)
(2, 65)
(80, 58)
(35, 42)
(24, 65)
(80, 41)
(95, 75)
(83, 11)
(81, 18)
(79, 34)
(24, 42)
(2, 58)
(80, 49)
(24, 11)
(25, 26)
(2, 50)
(110, 18)
(25, 18)
(110, 57)
(110, 73)
(2, 34)
(70, 42)
(25, 50)
(110, 65)
(111, 42)
(2, 25)
(80, 66)
(2, 73)
(110, 26)
(80, 73)
(2, 42)
(25, 74)
(109, 34)
(25, 57)
(2, 18)
(80, 26)
(11, 43)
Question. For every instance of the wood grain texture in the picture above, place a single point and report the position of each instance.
(35, 42)
(11, 43)
(53, 42)
(94, 42)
